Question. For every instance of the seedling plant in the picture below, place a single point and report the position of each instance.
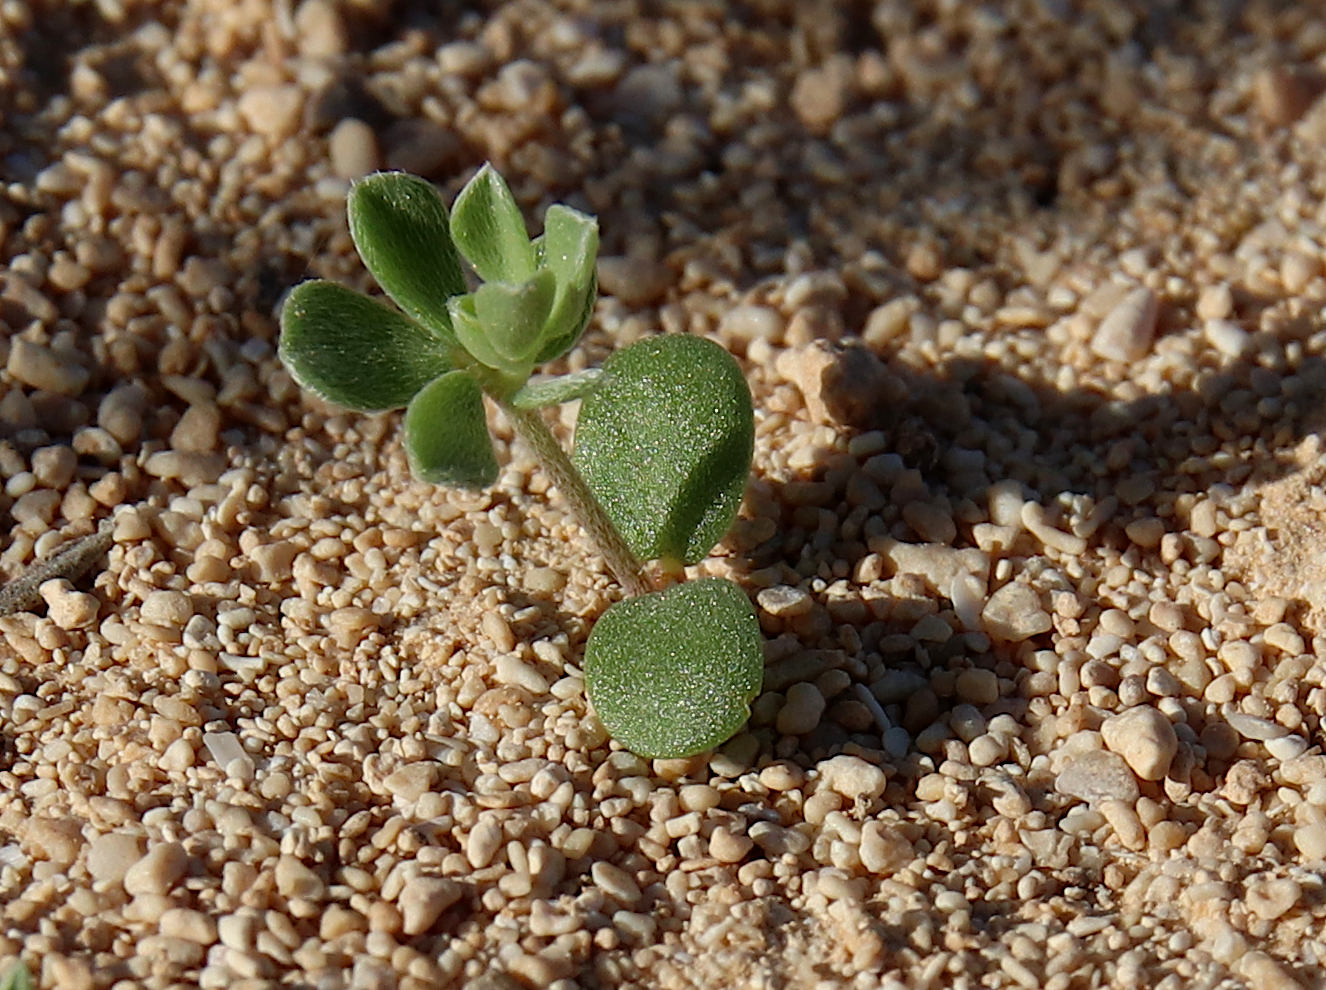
(662, 446)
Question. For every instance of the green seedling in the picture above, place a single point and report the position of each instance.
(662, 447)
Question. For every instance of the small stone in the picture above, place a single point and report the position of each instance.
(616, 883)
(422, 901)
(54, 467)
(852, 777)
(190, 925)
(58, 840)
(1096, 776)
(751, 322)
(1227, 337)
(819, 95)
(42, 368)
(224, 747)
(1286, 747)
(167, 608)
(1126, 332)
(783, 601)
(483, 843)
(1311, 841)
(320, 30)
(158, 871)
(802, 710)
(67, 608)
(199, 429)
(932, 523)
(274, 561)
(1250, 727)
(1014, 614)
(979, 687)
(412, 781)
(237, 931)
(1285, 638)
(1272, 898)
(337, 921)
(187, 467)
(1145, 532)
(420, 146)
(636, 280)
(352, 147)
(986, 750)
(841, 385)
(884, 851)
(274, 110)
(728, 847)
(1144, 738)
(294, 879)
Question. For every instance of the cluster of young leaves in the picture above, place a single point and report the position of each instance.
(663, 441)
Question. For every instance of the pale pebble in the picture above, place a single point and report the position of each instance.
(157, 871)
(1096, 776)
(422, 901)
(1144, 738)
(1014, 613)
(852, 777)
(1126, 332)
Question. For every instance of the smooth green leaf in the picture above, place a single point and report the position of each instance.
(399, 226)
(446, 434)
(665, 444)
(489, 230)
(553, 391)
(355, 351)
(512, 315)
(673, 673)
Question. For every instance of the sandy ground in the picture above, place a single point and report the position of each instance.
(1029, 295)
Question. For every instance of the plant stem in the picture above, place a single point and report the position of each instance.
(531, 428)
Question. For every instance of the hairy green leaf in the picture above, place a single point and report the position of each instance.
(553, 391)
(17, 976)
(673, 673)
(512, 315)
(355, 351)
(665, 443)
(446, 434)
(399, 226)
(569, 247)
(490, 231)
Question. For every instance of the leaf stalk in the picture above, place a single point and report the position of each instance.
(626, 568)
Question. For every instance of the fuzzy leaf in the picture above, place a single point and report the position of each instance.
(17, 976)
(446, 434)
(665, 444)
(475, 339)
(569, 247)
(490, 231)
(399, 226)
(355, 351)
(554, 391)
(673, 673)
(512, 316)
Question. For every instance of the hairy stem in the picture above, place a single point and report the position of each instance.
(531, 428)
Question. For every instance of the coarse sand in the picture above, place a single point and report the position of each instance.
(1030, 298)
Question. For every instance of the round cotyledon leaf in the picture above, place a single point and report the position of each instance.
(665, 442)
(673, 673)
